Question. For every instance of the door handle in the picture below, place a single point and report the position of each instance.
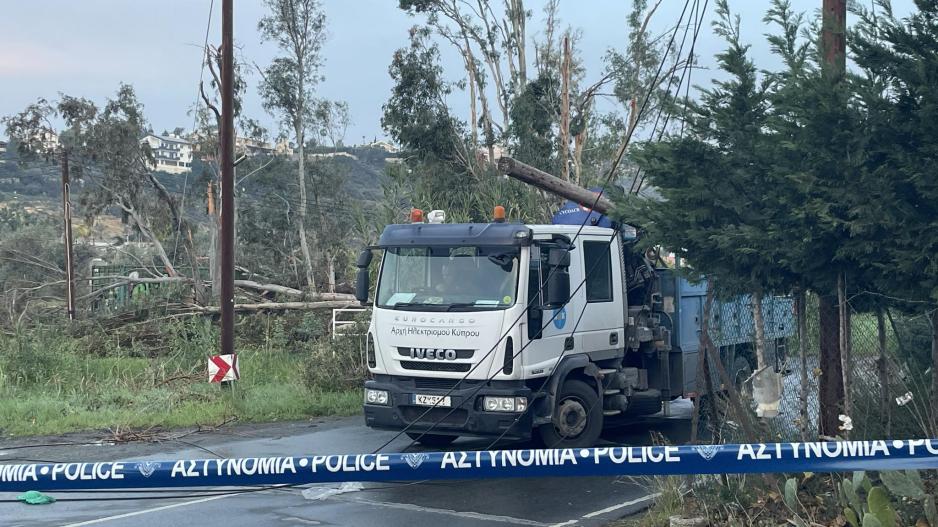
(614, 338)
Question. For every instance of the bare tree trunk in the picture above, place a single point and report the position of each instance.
(474, 124)
(282, 306)
(801, 306)
(565, 110)
(883, 371)
(579, 141)
(147, 232)
(330, 270)
(518, 19)
(215, 254)
(831, 382)
(843, 313)
(301, 217)
(184, 230)
(486, 113)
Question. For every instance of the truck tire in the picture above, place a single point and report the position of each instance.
(578, 417)
(432, 440)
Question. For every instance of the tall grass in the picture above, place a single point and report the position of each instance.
(53, 382)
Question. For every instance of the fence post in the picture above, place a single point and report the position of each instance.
(801, 305)
(934, 371)
(883, 370)
(831, 383)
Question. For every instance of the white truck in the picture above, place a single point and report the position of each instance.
(510, 330)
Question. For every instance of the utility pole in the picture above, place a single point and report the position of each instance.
(833, 38)
(67, 218)
(227, 178)
(831, 386)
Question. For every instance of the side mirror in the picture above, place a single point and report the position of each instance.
(364, 258)
(558, 282)
(363, 279)
(363, 283)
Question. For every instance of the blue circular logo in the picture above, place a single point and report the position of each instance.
(560, 317)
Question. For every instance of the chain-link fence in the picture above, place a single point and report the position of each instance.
(887, 355)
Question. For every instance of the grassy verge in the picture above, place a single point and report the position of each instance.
(52, 383)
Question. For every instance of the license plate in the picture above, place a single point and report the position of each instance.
(439, 401)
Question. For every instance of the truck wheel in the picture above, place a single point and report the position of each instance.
(432, 440)
(578, 418)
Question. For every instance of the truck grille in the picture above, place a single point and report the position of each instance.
(460, 354)
(429, 383)
(435, 366)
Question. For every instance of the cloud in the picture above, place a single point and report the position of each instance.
(21, 59)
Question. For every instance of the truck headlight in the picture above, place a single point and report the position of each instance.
(376, 397)
(505, 404)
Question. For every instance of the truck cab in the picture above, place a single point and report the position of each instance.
(508, 330)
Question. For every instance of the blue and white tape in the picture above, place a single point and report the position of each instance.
(605, 461)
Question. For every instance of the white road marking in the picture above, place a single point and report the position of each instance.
(564, 524)
(147, 511)
(448, 512)
(636, 501)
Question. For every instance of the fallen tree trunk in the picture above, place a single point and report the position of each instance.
(245, 284)
(279, 306)
(273, 288)
(544, 181)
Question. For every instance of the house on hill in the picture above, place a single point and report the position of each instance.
(171, 153)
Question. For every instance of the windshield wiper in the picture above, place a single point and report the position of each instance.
(435, 307)
(460, 305)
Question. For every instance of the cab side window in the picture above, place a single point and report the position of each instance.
(598, 262)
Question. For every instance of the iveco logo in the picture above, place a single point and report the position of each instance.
(432, 353)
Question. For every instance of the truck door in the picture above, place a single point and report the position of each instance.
(601, 331)
(546, 331)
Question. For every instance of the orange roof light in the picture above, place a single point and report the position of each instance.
(416, 216)
(498, 215)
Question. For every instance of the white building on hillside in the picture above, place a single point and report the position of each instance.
(253, 147)
(171, 153)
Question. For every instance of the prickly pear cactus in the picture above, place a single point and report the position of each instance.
(907, 484)
(931, 514)
(881, 507)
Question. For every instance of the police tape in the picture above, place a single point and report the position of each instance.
(835, 456)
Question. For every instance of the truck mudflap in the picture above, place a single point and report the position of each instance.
(464, 417)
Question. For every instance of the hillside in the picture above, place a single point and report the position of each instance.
(363, 168)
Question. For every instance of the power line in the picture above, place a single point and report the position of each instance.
(599, 195)
(195, 117)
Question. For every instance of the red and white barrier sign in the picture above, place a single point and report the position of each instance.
(223, 368)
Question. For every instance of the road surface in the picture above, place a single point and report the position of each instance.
(533, 502)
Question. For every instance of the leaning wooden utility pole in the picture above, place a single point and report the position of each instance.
(831, 386)
(67, 219)
(553, 184)
(226, 142)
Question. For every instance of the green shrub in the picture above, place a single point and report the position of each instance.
(336, 365)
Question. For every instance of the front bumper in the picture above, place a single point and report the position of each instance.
(465, 417)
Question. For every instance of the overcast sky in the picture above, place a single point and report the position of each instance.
(87, 47)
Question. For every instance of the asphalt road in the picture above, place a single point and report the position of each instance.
(534, 502)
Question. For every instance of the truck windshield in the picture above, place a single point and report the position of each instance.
(448, 278)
